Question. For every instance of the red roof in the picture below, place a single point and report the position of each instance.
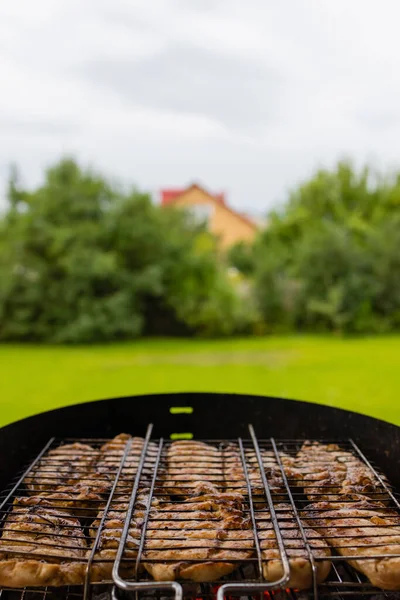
(169, 196)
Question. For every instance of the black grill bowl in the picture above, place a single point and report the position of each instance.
(213, 416)
(277, 423)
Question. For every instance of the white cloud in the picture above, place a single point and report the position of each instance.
(247, 97)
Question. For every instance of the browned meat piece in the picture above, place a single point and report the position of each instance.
(41, 546)
(201, 539)
(362, 529)
(328, 473)
(111, 534)
(300, 566)
(190, 462)
(62, 466)
(301, 574)
(78, 500)
(111, 454)
(235, 477)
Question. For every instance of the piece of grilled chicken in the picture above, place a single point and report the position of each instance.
(110, 536)
(300, 563)
(235, 477)
(301, 570)
(78, 501)
(188, 463)
(88, 474)
(200, 539)
(63, 466)
(110, 459)
(362, 530)
(326, 472)
(40, 546)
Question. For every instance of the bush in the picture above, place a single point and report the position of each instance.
(330, 259)
(83, 261)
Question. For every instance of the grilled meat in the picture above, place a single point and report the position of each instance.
(41, 545)
(63, 466)
(234, 475)
(111, 455)
(199, 527)
(78, 500)
(111, 534)
(202, 538)
(301, 572)
(236, 480)
(188, 463)
(326, 472)
(362, 530)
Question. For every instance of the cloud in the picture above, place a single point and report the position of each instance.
(238, 93)
(33, 125)
(246, 97)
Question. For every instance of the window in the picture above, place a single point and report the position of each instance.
(202, 212)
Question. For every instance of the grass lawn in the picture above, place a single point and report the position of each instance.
(363, 374)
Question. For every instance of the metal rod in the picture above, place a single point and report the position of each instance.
(103, 518)
(172, 586)
(148, 508)
(136, 586)
(120, 582)
(253, 517)
(379, 478)
(271, 507)
(296, 515)
(250, 588)
(25, 473)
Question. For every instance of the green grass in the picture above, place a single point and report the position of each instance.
(358, 374)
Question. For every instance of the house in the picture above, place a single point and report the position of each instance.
(229, 226)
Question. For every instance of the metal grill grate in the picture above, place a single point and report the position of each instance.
(117, 500)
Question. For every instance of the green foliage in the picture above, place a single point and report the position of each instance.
(241, 256)
(330, 259)
(82, 261)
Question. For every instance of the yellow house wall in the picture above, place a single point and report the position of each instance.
(228, 226)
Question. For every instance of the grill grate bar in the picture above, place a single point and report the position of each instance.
(247, 580)
(253, 517)
(296, 515)
(148, 508)
(120, 581)
(26, 473)
(380, 479)
(262, 586)
(267, 490)
(115, 573)
(102, 521)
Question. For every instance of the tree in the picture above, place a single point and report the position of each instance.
(329, 257)
(241, 256)
(84, 261)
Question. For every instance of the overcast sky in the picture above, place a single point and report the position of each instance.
(247, 97)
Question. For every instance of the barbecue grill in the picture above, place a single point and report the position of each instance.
(251, 425)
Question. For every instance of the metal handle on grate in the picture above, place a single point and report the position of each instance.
(298, 520)
(103, 520)
(134, 586)
(262, 586)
